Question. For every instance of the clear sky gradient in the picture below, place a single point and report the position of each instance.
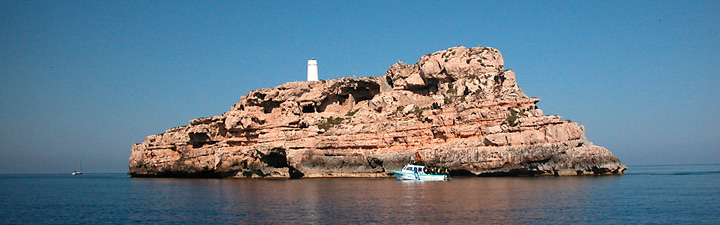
(81, 81)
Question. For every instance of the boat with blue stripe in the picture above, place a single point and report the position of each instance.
(418, 172)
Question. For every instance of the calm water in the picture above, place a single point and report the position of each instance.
(647, 194)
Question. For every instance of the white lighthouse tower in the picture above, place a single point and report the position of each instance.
(312, 72)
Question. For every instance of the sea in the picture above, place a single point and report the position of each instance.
(675, 194)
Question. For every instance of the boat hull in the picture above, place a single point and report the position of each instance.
(416, 176)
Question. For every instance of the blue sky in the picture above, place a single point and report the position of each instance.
(80, 81)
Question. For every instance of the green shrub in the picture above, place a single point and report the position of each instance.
(330, 122)
(398, 110)
(351, 113)
(451, 89)
(468, 61)
(418, 111)
(447, 99)
(512, 119)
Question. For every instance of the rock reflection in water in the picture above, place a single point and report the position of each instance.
(321, 201)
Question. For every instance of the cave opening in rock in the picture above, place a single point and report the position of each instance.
(365, 91)
(269, 106)
(389, 81)
(308, 109)
(332, 99)
(260, 95)
(200, 139)
(276, 158)
(294, 173)
(499, 79)
(438, 134)
(430, 87)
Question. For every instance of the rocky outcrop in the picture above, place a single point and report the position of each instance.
(457, 108)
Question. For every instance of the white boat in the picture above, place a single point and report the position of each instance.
(417, 172)
(78, 172)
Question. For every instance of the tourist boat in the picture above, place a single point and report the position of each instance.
(417, 172)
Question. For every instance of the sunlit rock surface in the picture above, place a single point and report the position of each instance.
(457, 108)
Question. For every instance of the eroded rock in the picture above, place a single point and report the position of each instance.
(457, 108)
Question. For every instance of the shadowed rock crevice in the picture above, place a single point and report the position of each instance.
(461, 173)
(198, 140)
(275, 158)
(309, 109)
(294, 173)
(513, 173)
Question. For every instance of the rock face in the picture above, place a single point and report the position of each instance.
(457, 108)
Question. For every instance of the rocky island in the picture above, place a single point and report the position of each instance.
(457, 108)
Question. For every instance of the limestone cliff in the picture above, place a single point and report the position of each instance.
(457, 108)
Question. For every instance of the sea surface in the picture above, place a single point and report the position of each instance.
(679, 194)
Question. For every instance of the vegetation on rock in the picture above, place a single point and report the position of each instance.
(330, 122)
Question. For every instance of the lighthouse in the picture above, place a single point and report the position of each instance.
(312, 71)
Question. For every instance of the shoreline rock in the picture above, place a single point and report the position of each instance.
(457, 108)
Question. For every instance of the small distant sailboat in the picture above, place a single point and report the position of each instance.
(78, 172)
